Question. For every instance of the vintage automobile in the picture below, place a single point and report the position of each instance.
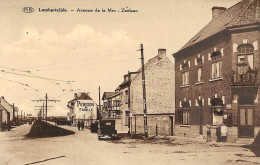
(107, 130)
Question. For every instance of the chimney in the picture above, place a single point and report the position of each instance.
(216, 10)
(75, 96)
(161, 52)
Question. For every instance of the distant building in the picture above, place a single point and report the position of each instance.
(111, 109)
(216, 73)
(83, 108)
(8, 113)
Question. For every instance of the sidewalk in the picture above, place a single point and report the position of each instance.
(205, 141)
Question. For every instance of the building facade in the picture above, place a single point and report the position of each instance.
(125, 90)
(160, 98)
(82, 108)
(112, 109)
(8, 110)
(216, 75)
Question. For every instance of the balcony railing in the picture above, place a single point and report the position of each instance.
(249, 78)
(112, 114)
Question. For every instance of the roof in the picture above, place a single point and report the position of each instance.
(3, 108)
(125, 83)
(82, 96)
(243, 13)
(108, 95)
(148, 63)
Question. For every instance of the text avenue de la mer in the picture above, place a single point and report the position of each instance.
(89, 10)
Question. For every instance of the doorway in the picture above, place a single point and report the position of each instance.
(246, 122)
(171, 118)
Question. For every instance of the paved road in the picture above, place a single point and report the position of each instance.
(84, 148)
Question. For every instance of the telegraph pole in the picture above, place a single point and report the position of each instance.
(46, 97)
(144, 93)
(99, 109)
(13, 113)
(46, 100)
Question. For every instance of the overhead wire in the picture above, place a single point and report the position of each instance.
(27, 85)
(34, 76)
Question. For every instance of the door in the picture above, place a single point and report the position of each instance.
(246, 120)
(171, 118)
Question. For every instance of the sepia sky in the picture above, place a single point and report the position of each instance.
(92, 49)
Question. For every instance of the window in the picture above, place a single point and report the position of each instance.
(186, 116)
(245, 54)
(199, 74)
(185, 78)
(216, 65)
(245, 48)
(126, 96)
(116, 105)
(127, 118)
(216, 69)
(217, 116)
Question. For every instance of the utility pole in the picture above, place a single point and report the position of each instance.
(144, 93)
(17, 114)
(46, 100)
(21, 114)
(99, 109)
(13, 113)
(43, 107)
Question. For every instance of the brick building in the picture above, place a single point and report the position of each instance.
(216, 75)
(124, 89)
(159, 80)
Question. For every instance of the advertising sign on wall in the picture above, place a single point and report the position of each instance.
(85, 109)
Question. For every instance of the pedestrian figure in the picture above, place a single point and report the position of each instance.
(4, 125)
(218, 133)
(223, 130)
(208, 133)
(82, 125)
(9, 126)
(79, 123)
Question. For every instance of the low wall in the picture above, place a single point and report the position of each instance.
(158, 125)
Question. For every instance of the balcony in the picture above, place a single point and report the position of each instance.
(248, 78)
(112, 114)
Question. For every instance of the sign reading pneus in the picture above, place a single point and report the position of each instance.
(28, 9)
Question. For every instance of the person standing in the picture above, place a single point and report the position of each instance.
(223, 129)
(79, 123)
(82, 125)
(208, 133)
(218, 133)
(4, 125)
(8, 125)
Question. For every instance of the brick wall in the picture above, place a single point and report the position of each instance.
(157, 125)
(159, 88)
(226, 43)
(206, 89)
(249, 37)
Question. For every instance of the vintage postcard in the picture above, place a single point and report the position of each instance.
(129, 82)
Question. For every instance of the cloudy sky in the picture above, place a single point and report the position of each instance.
(88, 49)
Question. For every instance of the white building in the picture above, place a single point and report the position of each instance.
(82, 108)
